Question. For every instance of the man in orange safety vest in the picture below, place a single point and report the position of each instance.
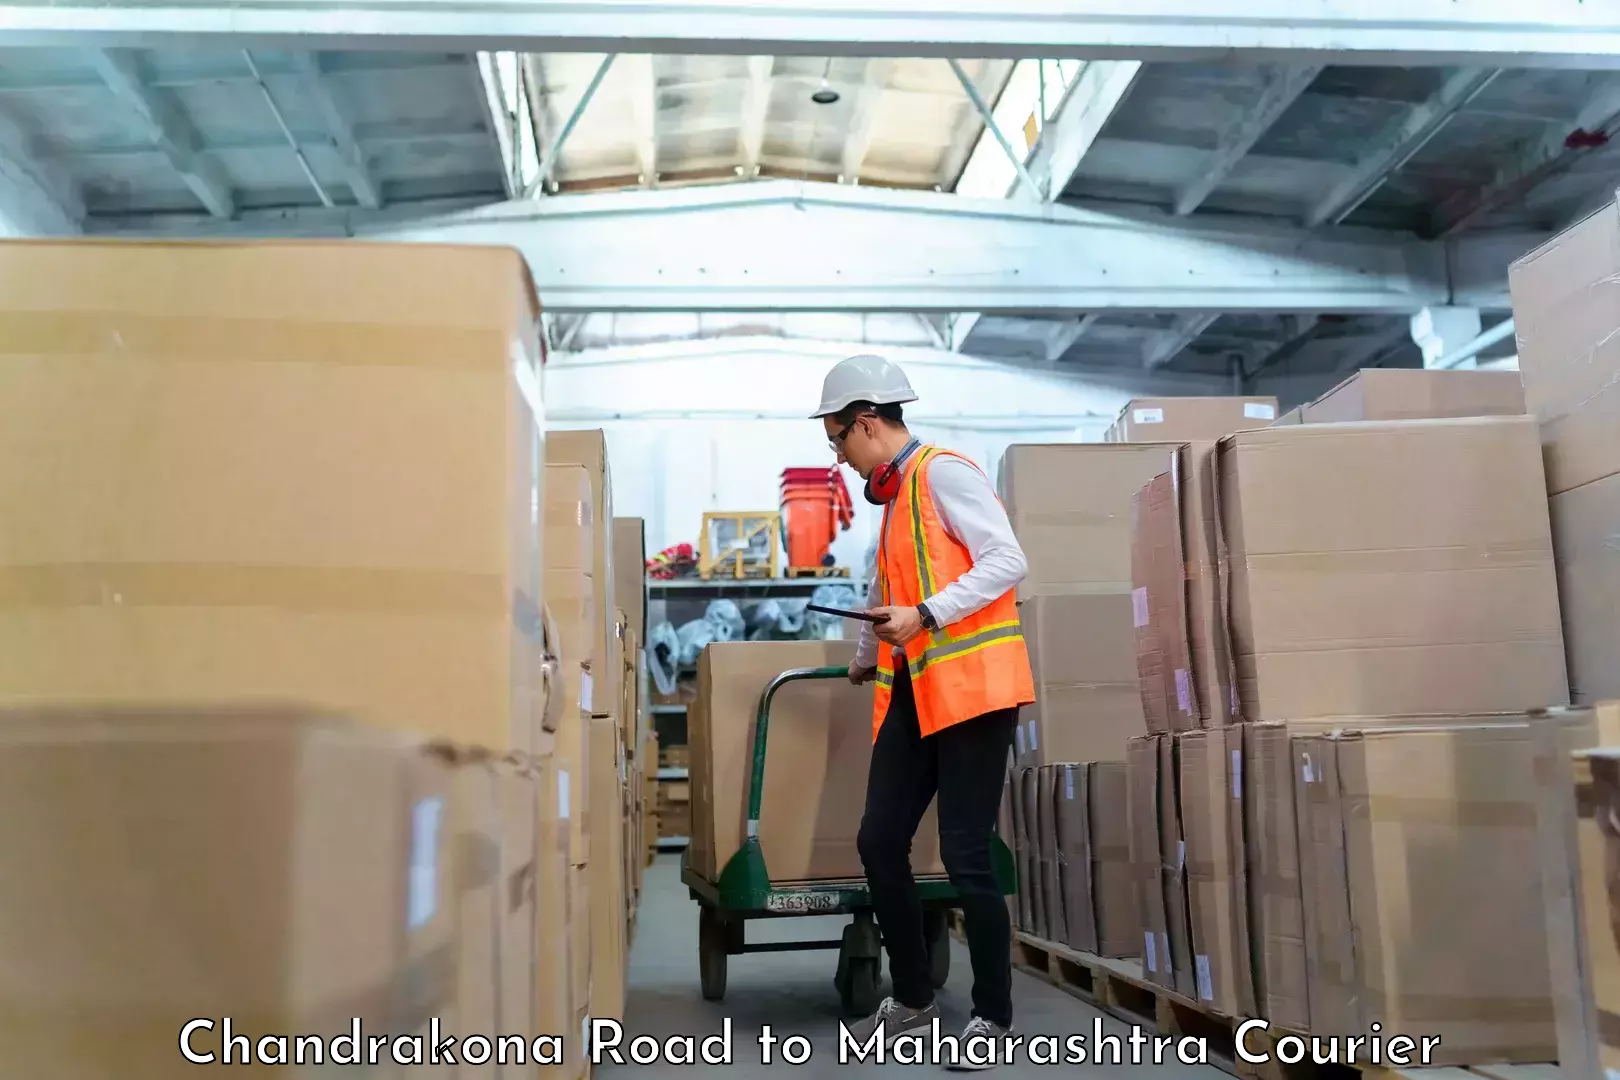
(951, 672)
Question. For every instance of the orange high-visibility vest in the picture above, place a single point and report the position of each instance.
(972, 667)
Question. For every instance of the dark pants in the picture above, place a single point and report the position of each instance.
(966, 765)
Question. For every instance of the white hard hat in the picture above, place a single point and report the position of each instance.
(863, 378)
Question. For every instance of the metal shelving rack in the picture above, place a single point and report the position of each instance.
(682, 590)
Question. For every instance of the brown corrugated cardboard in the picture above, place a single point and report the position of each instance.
(630, 571)
(1596, 788)
(1088, 701)
(1159, 608)
(124, 928)
(818, 750)
(1019, 781)
(1430, 837)
(554, 934)
(1074, 860)
(1568, 840)
(1387, 568)
(1118, 924)
(517, 948)
(589, 450)
(1565, 321)
(475, 832)
(609, 949)
(1033, 882)
(1418, 394)
(1183, 419)
(1211, 799)
(296, 471)
(1070, 505)
(1047, 792)
(1173, 868)
(1147, 857)
(1588, 562)
(581, 951)
(1296, 415)
(1208, 638)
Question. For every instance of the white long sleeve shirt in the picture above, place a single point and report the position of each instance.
(974, 517)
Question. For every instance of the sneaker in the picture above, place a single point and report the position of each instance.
(896, 1020)
(979, 1028)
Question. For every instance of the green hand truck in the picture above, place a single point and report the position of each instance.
(745, 892)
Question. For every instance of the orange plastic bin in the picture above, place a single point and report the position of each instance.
(815, 508)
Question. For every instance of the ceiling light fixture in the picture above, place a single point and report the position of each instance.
(825, 94)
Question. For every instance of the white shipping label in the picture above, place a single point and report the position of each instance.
(422, 880)
(563, 800)
(1068, 782)
(1183, 691)
(1237, 774)
(1139, 607)
(1306, 773)
(1206, 985)
(1147, 951)
(1020, 734)
(1148, 416)
(1259, 410)
(1181, 854)
(1032, 743)
(585, 691)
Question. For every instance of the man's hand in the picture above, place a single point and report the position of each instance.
(899, 625)
(859, 673)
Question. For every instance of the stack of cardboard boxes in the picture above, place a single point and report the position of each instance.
(1072, 507)
(1341, 620)
(307, 474)
(1565, 321)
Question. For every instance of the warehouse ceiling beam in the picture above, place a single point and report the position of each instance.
(1591, 131)
(38, 196)
(168, 128)
(1399, 145)
(643, 83)
(982, 107)
(548, 163)
(1169, 343)
(1283, 86)
(1494, 33)
(312, 76)
(871, 249)
(1070, 133)
(863, 118)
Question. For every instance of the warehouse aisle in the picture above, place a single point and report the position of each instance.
(793, 993)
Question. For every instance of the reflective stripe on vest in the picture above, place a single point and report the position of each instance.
(975, 666)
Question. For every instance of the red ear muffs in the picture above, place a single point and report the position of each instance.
(884, 484)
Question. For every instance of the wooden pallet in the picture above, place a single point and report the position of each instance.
(818, 571)
(1121, 989)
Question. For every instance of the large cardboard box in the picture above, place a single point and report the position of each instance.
(556, 1014)
(1581, 943)
(475, 826)
(1096, 886)
(120, 927)
(1088, 702)
(1070, 505)
(609, 947)
(1425, 841)
(288, 471)
(1021, 790)
(630, 571)
(1211, 800)
(570, 546)
(818, 750)
(588, 449)
(1159, 608)
(1389, 568)
(1054, 924)
(1158, 858)
(517, 947)
(1418, 394)
(1565, 320)
(1184, 419)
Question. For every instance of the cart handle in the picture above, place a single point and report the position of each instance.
(756, 784)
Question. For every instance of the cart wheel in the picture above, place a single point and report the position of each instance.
(712, 931)
(859, 994)
(938, 934)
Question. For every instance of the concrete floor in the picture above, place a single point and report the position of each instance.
(793, 993)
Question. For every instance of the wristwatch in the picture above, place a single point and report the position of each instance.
(928, 620)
